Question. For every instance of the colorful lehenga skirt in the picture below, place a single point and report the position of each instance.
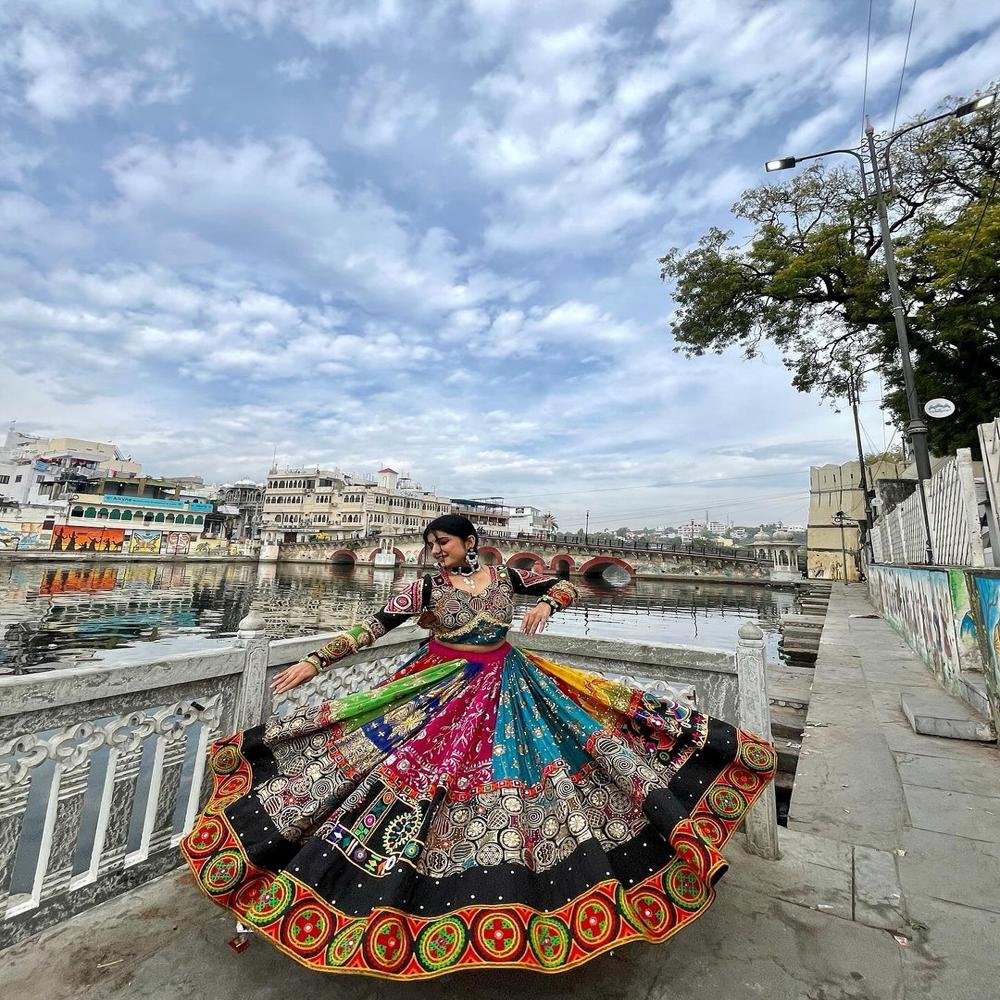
(498, 810)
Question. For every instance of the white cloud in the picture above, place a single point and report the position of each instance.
(297, 69)
(63, 76)
(382, 107)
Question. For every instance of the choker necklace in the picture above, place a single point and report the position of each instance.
(465, 575)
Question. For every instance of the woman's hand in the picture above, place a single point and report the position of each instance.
(535, 619)
(293, 676)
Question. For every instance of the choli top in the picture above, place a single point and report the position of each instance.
(460, 617)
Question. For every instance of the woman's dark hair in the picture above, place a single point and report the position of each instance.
(452, 524)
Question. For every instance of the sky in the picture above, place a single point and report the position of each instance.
(426, 235)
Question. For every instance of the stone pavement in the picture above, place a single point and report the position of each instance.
(888, 887)
(866, 778)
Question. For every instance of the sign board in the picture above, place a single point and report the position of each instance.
(939, 408)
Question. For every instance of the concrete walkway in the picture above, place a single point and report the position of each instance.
(888, 886)
(933, 805)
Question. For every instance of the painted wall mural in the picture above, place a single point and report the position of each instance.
(68, 538)
(965, 621)
(987, 592)
(175, 543)
(145, 541)
(918, 605)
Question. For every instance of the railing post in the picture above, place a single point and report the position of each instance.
(755, 717)
(248, 710)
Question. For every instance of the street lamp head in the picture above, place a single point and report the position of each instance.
(783, 164)
(979, 104)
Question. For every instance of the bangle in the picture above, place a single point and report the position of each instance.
(315, 660)
(550, 601)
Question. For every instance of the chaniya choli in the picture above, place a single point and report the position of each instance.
(474, 810)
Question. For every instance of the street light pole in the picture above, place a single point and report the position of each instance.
(869, 519)
(917, 427)
(839, 518)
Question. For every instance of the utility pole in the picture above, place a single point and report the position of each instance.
(917, 427)
(586, 530)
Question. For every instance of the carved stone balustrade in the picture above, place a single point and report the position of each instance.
(102, 768)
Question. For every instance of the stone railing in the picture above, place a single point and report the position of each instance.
(102, 768)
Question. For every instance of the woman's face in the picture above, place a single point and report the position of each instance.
(449, 550)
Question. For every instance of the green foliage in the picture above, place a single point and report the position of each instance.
(811, 277)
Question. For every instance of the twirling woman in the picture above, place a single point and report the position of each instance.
(483, 807)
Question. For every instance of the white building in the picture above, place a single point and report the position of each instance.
(301, 504)
(531, 521)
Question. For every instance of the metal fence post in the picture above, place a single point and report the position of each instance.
(249, 707)
(755, 717)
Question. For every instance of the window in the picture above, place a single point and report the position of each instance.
(199, 520)
(17, 479)
(77, 512)
(116, 514)
(170, 518)
(38, 479)
(90, 512)
(4, 480)
(126, 515)
(159, 517)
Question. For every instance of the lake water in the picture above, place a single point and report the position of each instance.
(60, 614)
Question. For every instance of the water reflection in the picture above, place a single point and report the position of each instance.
(63, 614)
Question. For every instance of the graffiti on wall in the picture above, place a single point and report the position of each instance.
(145, 541)
(918, 605)
(988, 594)
(66, 538)
(965, 621)
(175, 543)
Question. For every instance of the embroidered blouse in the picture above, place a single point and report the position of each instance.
(460, 617)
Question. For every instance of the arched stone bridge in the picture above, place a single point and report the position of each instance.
(541, 555)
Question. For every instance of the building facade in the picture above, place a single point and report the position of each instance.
(301, 504)
(524, 520)
(833, 543)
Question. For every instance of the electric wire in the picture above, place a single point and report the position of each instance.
(902, 72)
(975, 235)
(868, 47)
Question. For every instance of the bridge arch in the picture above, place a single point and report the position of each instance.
(400, 558)
(562, 563)
(490, 555)
(526, 560)
(597, 566)
(343, 557)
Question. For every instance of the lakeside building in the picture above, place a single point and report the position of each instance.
(299, 504)
(833, 549)
(488, 514)
(530, 521)
(70, 495)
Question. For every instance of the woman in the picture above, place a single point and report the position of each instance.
(483, 807)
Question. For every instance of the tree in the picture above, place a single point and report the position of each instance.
(811, 278)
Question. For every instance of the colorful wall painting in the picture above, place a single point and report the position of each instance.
(175, 543)
(918, 605)
(987, 589)
(969, 654)
(69, 538)
(145, 541)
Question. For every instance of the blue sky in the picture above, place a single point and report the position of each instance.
(426, 234)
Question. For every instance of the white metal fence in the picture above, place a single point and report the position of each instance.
(953, 512)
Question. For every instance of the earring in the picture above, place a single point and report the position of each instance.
(472, 559)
